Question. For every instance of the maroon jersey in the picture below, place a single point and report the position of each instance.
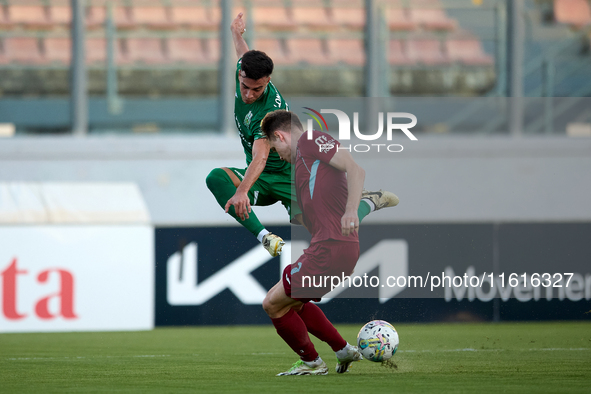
(321, 189)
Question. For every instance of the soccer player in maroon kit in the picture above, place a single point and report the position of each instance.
(329, 187)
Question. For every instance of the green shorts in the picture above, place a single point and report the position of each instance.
(270, 188)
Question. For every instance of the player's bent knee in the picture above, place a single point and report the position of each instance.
(215, 178)
(268, 306)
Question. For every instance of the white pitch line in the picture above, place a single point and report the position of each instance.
(492, 350)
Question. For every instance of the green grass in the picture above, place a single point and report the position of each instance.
(508, 357)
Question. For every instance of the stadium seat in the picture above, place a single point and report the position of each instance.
(187, 50)
(198, 18)
(396, 53)
(467, 51)
(60, 15)
(350, 14)
(274, 49)
(96, 51)
(573, 12)
(308, 50)
(347, 51)
(58, 50)
(399, 19)
(426, 51)
(273, 18)
(212, 50)
(312, 15)
(3, 19)
(145, 50)
(31, 14)
(215, 14)
(96, 17)
(430, 15)
(24, 50)
(152, 17)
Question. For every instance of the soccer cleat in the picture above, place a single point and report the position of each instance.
(301, 368)
(381, 199)
(344, 363)
(273, 244)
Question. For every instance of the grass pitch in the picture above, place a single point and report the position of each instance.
(507, 357)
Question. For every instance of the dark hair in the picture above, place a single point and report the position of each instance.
(279, 120)
(256, 64)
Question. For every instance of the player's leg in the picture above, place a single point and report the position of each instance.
(289, 325)
(223, 182)
(319, 326)
(344, 255)
(282, 189)
(373, 201)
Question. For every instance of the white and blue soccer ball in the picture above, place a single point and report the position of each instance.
(377, 341)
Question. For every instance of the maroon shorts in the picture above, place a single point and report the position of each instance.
(308, 279)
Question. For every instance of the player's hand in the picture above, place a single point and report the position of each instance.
(349, 223)
(238, 25)
(241, 205)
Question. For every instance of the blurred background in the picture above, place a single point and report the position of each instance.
(158, 66)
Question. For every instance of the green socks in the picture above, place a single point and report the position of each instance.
(222, 187)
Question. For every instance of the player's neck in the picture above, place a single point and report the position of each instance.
(296, 134)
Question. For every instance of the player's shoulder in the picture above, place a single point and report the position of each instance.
(273, 99)
(319, 141)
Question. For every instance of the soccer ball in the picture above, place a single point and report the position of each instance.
(377, 341)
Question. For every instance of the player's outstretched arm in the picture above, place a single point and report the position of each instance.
(343, 161)
(238, 27)
(240, 200)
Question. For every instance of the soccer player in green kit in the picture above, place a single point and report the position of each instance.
(267, 178)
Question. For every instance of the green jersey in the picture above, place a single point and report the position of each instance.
(248, 119)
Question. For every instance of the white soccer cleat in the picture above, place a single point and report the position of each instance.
(344, 363)
(273, 243)
(381, 198)
(301, 368)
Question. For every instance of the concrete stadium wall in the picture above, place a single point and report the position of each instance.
(439, 179)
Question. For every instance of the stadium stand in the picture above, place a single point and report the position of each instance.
(308, 51)
(183, 35)
(152, 17)
(60, 15)
(313, 16)
(187, 50)
(348, 51)
(57, 49)
(273, 18)
(467, 51)
(430, 15)
(29, 15)
(319, 29)
(96, 16)
(194, 18)
(396, 53)
(573, 12)
(399, 20)
(426, 51)
(25, 50)
(144, 50)
(349, 14)
(275, 49)
(212, 50)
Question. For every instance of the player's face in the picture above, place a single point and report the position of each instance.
(282, 145)
(252, 89)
